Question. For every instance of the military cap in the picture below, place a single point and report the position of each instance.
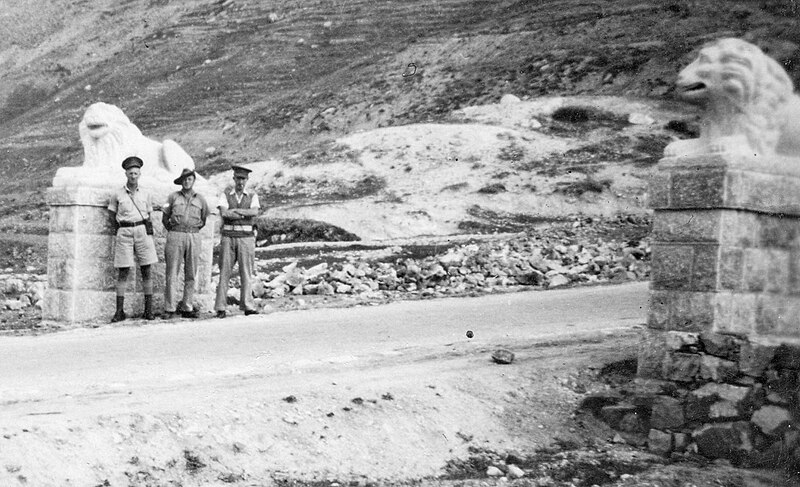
(185, 174)
(132, 161)
(241, 170)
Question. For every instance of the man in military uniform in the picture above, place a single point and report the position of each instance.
(131, 207)
(184, 214)
(238, 209)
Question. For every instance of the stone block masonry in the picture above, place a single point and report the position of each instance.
(726, 246)
(719, 363)
(81, 279)
(716, 395)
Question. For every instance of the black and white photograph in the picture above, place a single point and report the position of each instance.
(399, 243)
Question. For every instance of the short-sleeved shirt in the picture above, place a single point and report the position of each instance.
(254, 204)
(122, 203)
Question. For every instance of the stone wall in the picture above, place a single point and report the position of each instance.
(81, 279)
(726, 247)
(719, 364)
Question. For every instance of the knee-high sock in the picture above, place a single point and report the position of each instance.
(122, 280)
(147, 280)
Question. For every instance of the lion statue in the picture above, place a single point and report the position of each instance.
(747, 100)
(108, 137)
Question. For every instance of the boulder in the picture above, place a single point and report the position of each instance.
(558, 280)
(731, 441)
(771, 420)
(667, 413)
(502, 356)
(659, 442)
(509, 99)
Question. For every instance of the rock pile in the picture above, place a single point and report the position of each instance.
(720, 396)
(525, 260)
(19, 291)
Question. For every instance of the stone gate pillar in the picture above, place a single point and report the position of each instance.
(726, 250)
(80, 272)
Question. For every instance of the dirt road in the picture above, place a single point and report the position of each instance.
(388, 391)
(141, 358)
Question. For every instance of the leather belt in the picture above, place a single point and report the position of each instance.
(131, 224)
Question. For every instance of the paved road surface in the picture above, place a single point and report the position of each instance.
(36, 369)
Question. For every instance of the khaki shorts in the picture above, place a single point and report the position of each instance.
(134, 247)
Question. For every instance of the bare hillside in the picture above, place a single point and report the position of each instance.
(255, 78)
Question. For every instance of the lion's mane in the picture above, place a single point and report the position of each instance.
(743, 93)
(108, 137)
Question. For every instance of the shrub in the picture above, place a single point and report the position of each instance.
(290, 230)
(493, 188)
(580, 114)
(577, 188)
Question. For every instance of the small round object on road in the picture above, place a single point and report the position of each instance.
(470, 334)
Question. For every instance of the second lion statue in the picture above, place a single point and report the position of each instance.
(747, 100)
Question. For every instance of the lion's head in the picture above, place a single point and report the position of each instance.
(108, 136)
(740, 89)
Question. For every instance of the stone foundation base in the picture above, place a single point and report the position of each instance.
(716, 395)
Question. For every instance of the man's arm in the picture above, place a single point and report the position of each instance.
(229, 214)
(245, 212)
(224, 211)
(112, 210)
(166, 212)
(254, 210)
(203, 210)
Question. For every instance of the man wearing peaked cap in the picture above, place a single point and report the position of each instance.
(183, 216)
(131, 207)
(132, 162)
(238, 209)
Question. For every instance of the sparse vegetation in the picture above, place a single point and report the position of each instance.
(302, 188)
(589, 117)
(271, 231)
(688, 129)
(493, 188)
(651, 149)
(326, 153)
(22, 99)
(511, 153)
(642, 151)
(490, 221)
(455, 187)
(587, 185)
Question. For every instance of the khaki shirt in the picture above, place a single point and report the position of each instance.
(122, 203)
(185, 213)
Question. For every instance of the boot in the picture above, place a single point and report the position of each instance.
(148, 307)
(120, 314)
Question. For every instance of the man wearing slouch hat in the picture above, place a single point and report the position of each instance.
(238, 209)
(131, 207)
(184, 214)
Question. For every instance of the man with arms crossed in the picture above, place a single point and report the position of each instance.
(238, 209)
(131, 208)
(185, 213)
